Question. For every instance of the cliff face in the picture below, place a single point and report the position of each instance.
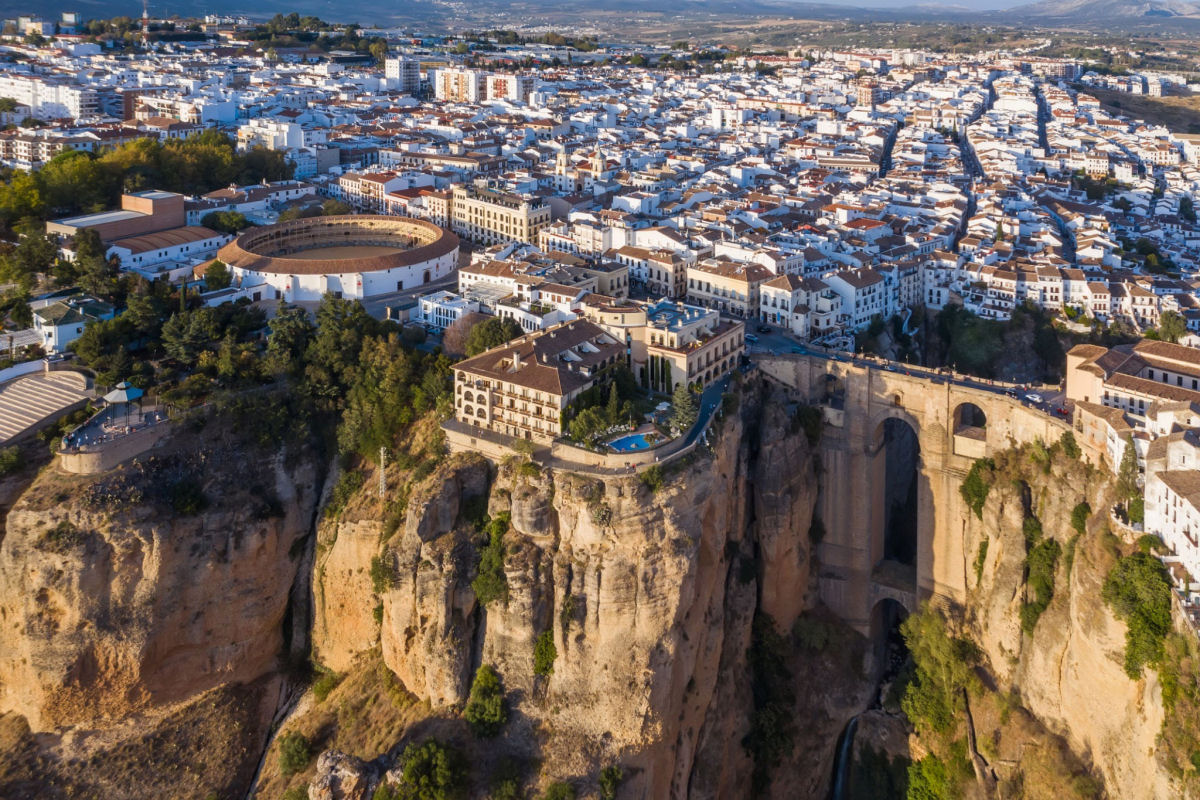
(1069, 673)
(648, 597)
(148, 585)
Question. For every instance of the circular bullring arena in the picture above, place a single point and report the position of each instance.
(353, 256)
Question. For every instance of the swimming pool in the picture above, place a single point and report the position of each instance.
(629, 443)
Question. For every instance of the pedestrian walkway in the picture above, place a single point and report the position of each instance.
(27, 401)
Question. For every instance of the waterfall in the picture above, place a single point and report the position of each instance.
(842, 762)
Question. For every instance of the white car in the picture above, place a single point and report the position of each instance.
(1033, 397)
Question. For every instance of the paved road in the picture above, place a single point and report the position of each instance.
(377, 305)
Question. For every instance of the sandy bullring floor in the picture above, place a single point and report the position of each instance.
(345, 251)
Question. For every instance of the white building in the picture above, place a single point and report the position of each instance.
(442, 309)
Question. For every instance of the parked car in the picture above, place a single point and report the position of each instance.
(1011, 392)
(751, 338)
(1033, 397)
(764, 328)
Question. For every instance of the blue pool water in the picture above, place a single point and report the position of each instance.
(627, 444)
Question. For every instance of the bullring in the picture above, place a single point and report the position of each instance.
(353, 256)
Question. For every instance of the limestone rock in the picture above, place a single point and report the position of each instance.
(342, 777)
(111, 605)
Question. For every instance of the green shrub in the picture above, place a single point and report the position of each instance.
(1070, 447)
(491, 582)
(610, 781)
(1136, 508)
(1138, 588)
(383, 576)
(349, 483)
(504, 783)
(1040, 565)
(10, 460)
(294, 752)
(486, 710)
(652, 478)
(980, 559)
(1032, 530)
(977, 484)
(294, 793)
(567, 614)
(942, 665)
(812, 633)
(377, 613)
(61, 537)
(326, 681)
(559, 791)
(1079, 517)
(544, 653)
(529, 469)
(431, 771)
(187, 498)
(927, 780)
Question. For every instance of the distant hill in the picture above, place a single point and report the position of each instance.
(1100, 11)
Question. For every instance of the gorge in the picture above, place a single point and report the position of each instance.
(710, 628)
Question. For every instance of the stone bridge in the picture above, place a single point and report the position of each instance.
(864, 457)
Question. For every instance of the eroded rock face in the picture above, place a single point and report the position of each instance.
(342, 777)
(1069, 673)
(648, 597)
(343, 596)
(111, 603)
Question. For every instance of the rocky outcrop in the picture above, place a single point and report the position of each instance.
(1069, 673)
(148, 585)
(429, 614)
(344, 621)
(648, 597)
(342, 777)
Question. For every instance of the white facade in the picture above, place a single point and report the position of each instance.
(352, 285)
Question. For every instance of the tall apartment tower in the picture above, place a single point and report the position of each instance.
(403, 74)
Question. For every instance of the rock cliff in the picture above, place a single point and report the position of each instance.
(648, 594)
(1069, 672)
(126, 596)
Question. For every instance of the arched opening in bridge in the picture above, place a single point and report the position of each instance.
(969, 420)
(902, 455)
(888, 650)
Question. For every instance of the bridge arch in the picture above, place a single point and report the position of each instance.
(896, 464)
(969, 417)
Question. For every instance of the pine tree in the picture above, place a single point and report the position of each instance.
(685, 413)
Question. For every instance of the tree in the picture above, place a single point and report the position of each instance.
(486, 710)
(1187, 208)
(378, 49)
(1127, 473)
(335, 208)
(454, 337)
(610, 780)
(559, 791)
(294, 752)
(544, 653)
(217, 276)
(490, 333)
(188, 333)
(431, 771)
(7, 105)
(1172, 326)
(684, 411)
(225, 221)
(1138, 589)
